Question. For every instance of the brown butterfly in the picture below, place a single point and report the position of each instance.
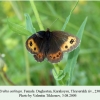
(51, 45)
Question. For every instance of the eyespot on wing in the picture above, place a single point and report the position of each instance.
(70, 44)
(55, 57)
(32, 46)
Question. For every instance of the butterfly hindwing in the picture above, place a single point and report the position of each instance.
(39, 57)
(55, 57)
(54, 54)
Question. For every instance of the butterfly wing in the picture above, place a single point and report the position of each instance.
(61, 42)
(53, 48)
(65, 41)
(34, 45)
(54, 54)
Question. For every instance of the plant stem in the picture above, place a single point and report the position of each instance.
(27, 63)
(6, 79)
(57, 69)
(15, 8)
(36, 15)
(23, 39)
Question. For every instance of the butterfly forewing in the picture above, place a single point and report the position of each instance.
(34, 44)
(66, 42)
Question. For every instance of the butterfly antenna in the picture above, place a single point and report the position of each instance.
(53, 23)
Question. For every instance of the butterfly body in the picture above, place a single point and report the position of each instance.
(45, 38)
(51, 45)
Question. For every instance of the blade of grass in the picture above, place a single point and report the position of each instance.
(51, 8)
(36, 15)
(16, 9)
(72, 57)
(87, 51)
(26, 63)
(18, 29)
(85, 32)
(29, 25)
(68, 18)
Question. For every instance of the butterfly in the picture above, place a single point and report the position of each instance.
(51, 45)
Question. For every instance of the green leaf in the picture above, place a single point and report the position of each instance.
(68, 18)
(80, 32)
(29, 25)
(66, 22)
(72, 57)
(58, 76)
(18, 29)
(36, 14)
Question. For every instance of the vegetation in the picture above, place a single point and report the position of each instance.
(17, 65)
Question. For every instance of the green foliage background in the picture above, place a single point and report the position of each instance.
(87, 70)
